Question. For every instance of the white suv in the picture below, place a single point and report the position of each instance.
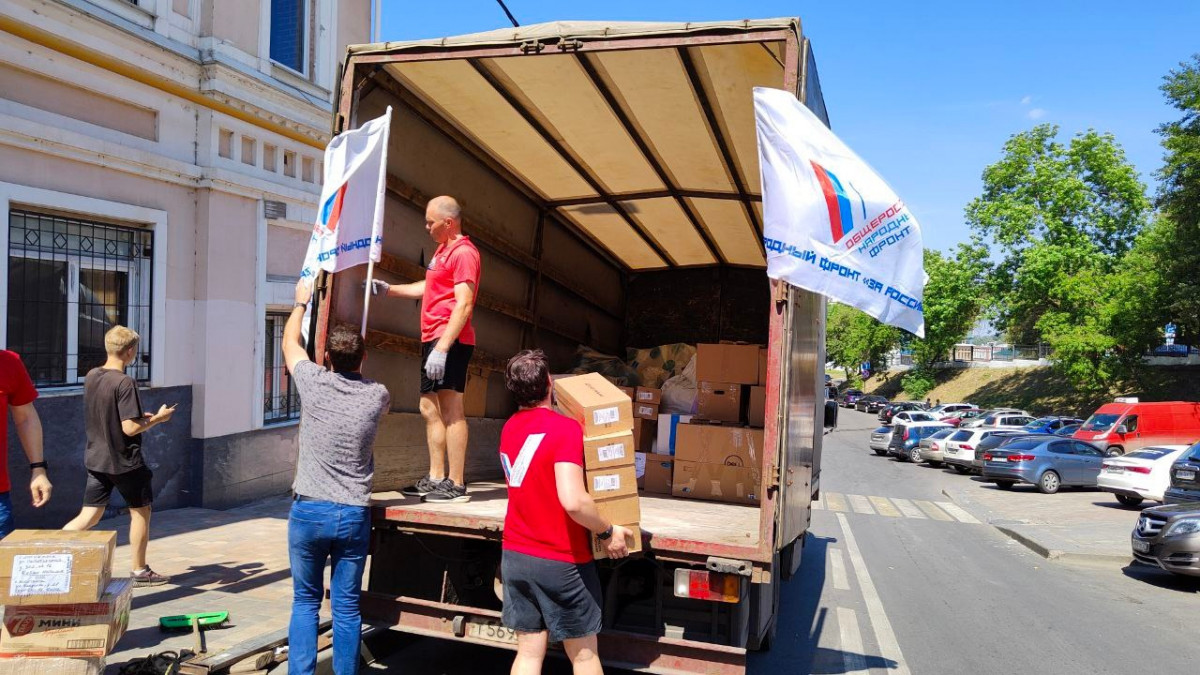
(980, 420)
(946, 409)
(1013, 421)
(959, 449)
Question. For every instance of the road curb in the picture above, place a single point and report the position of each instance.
(1044, 551)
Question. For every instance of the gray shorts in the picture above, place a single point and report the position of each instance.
(549, 595)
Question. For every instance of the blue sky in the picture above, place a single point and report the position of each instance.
(929, 95)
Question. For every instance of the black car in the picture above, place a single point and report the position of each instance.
(1185, 478)
(870, 404)
(887, 412)
(991, 441)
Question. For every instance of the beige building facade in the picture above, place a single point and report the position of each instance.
(160, 167)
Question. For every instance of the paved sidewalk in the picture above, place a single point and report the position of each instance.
(1074, 525)
(233, 560)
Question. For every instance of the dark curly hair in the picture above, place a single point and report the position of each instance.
(345, 348)
(527, 377)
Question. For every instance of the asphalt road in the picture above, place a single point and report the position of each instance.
(897, 580)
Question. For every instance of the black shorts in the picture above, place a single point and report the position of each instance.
(135, 487)
(456, 367)
(549, 595)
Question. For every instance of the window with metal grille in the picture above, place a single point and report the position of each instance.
(69, 281)
(287, 33)
(281, 401)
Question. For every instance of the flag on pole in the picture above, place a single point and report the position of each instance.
(831, 225)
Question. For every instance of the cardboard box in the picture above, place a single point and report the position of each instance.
(731, 484)
(22, 665)
(598, 404)
(621, 510)
(603, 452)
(610, 483)
(719, 401)
(648, 395)
(737, 364)
(628, 391)
(82, 629)
(55, 567)
(756, 409)
(762, 366)
(664, 443)
(646, 411)
(713, 444)
(658, 474)
(645, 434)
(600, 550)
(475, 395)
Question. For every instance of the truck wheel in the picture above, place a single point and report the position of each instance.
(1129, 500)
(1049, 483)
(1114, 451)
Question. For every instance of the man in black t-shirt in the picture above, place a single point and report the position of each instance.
(113, 458)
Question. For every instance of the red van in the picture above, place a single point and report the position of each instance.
(1128, 424)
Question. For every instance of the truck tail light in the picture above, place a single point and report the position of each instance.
(705, 585)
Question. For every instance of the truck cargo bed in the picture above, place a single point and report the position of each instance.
(671, 524)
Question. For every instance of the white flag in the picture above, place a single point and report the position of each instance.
(349, 227)
(831, 224)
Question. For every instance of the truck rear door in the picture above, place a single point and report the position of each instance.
(802, 406)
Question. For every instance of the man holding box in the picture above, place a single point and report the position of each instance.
(551, 586)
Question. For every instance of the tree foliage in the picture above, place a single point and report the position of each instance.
(953, 300)
(852, 337)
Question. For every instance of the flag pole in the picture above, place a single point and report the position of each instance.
(367, 296)
(377, 226)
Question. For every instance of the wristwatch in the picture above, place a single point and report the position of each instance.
(605, 535)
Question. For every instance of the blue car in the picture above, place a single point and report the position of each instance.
(1048, 462)
(1068, 430)
(1050, 425)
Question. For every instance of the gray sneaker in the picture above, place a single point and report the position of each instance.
(447, 493)
(148, 577)
(421, 488)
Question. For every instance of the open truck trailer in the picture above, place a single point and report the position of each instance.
(608, 173)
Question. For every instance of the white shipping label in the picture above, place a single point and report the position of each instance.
(48, 574)
(639, 464)
(646, 410)
(608, 483)
(606, 415)
(608, 453)
(645, 396)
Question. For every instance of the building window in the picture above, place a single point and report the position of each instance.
(281, 401)
(69, 281)
(287, 33)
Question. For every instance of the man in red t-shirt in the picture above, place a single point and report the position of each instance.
(17, 394)
(447, 297)
(551, 587)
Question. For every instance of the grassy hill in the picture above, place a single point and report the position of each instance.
(1041, 391)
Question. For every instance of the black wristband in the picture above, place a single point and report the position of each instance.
(605, 535)
(38, 465)
(299, 305)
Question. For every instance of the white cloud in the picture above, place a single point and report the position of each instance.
(1037, 114)
(1027, 100)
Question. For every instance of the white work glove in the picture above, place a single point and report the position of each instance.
(379, 287)
(435, 365)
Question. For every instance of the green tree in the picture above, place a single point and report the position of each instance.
(852, 337)
(953, 300)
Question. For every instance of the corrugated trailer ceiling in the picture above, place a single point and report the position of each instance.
(650, 150)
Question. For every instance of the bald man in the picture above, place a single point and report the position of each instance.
(447, 338)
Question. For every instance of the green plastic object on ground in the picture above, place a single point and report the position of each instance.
(186, 621)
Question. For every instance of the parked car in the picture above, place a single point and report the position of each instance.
(944, 409)
(1141, 474)
(1000, 421)
(870, 404)
(1185, 478)
(990, 442)
(1049, 462)
(957, 418)
(886, 413)
(933, 446)
(1127, 424)
(907, 436)
(1169, 537)
(959, 450)
(850, 397)
(881, 438)
(981, 419)
(909, 416)
(1068, 430)
(1049, 425)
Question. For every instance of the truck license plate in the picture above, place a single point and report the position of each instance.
(492, 632)
(1141, 546)
(1185, 475)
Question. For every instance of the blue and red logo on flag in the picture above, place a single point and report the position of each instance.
(331, 211)
(841, 214)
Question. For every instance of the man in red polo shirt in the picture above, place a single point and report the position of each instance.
(17, 394)
(447, 297)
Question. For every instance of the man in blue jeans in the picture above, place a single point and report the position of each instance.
(330, 518)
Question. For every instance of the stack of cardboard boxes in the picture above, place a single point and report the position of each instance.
(63, 611)
(610, 465)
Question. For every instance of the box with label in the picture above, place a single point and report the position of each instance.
(54, 567)
(756, 409)
(716, 482)
(598, 404)
(648, 395)
(609, 483)
(80, 629)
(713, 444)
(719, 401)
(620, 510)
(667, 428)
(645, 434)
(600, 548)
(53, 665)
(762, 366)
(737, 364)
(602, 452)
(656, 478)
(646, 411)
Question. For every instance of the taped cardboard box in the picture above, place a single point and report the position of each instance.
(668, 426)
(646, 411)
(609, 483)
(713, 444)
(600, 548)
(23, 665)
(645, 434)
(81, 629)
(658, 474)
(624, 510)
(598, 404)
(756, 409)
(603, 452)
(716, 482)
(720, 402)
(648, 395)
(54, 567)
(727, 363)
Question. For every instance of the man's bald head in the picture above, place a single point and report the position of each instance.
(446, 206)
(443, 218)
